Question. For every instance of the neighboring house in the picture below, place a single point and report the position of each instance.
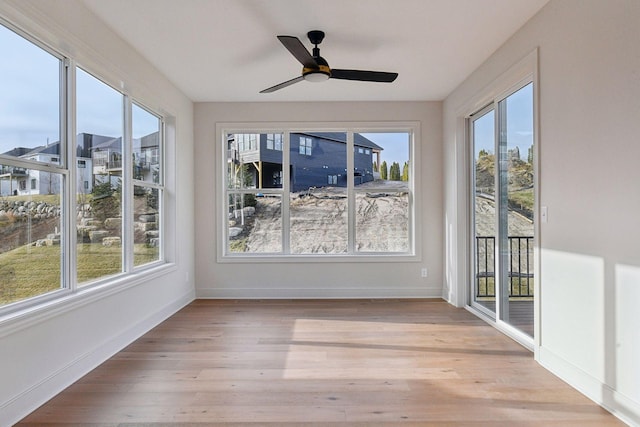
(106, 158)
(316, 159)
(97, 157)
(21, 181)
(146, 157)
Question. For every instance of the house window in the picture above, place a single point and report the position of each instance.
(105, 249)
(277, 179)
(247, 142)
(305, 145)
(331, 204)
(274, 141)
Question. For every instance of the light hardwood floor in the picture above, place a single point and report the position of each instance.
(298, 363)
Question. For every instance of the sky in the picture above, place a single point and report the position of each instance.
(30, 99)
(395, 144)
(29, 94)
(519, 124)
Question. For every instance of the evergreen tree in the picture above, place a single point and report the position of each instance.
(375, 167)
(405, 172)
(394, 172)
(383, 170)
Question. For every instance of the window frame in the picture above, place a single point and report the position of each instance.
(69, 293)
(160, 186)
(414, 253)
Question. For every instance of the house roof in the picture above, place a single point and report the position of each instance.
(358, 139)
(151, 140)
(113, 143)
(18, 151)
(53, 148)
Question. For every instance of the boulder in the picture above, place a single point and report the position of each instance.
(147, 218)
(112, 223)
(97, 235)
(111, 241)
(234, 231)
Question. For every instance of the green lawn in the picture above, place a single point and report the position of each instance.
(522, 199)
(30, 271)
(486, 286)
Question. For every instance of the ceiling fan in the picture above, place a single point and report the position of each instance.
(316, 69)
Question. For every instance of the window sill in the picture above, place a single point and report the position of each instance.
(347, 258)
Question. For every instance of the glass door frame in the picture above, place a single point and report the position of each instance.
(501, 254)
(473, 247)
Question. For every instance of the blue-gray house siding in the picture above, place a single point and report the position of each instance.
(321, 162)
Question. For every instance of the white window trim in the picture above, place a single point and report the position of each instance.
(286, 128)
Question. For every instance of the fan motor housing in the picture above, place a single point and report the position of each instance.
(317, 74)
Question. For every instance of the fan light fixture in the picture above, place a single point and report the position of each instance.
(319, 74)
(316, 76)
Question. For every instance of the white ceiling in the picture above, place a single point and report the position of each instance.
(226, 50)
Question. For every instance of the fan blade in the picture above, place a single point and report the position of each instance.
(297, 49)
(282, 85)
(365, 76)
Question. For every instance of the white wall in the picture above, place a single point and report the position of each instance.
(43, 351)
(319, 279)
(589, 70)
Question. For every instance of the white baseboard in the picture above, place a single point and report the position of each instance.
(613, 401)
(26, 402)
(317, 293)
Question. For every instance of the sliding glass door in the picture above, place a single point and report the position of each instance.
(501, 139)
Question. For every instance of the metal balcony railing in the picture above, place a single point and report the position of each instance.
(520, 266)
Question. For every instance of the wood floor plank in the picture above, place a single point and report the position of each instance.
(312, 363)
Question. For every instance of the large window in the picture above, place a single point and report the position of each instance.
(31, 214)
(352, 194)
(65, 227)
(100, 113)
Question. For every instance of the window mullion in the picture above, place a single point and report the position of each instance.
(351, 215)
(127, 186)
(163, 194)
(68, 122)
(286, 195)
